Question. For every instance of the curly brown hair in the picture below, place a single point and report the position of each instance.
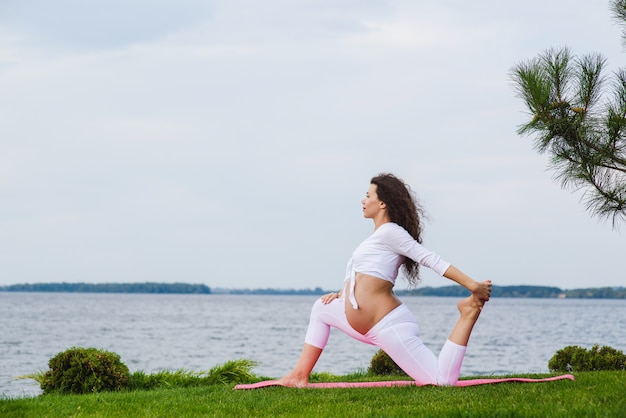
(404, 210)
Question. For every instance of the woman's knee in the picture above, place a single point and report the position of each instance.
(317, 307)
(447, 381)
(318, 330)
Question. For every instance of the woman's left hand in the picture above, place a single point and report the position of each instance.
(330, 297)
(483, 290)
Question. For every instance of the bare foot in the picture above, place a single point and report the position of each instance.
(293, 381)
(470, 307)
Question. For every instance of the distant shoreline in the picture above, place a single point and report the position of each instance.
(187, 288)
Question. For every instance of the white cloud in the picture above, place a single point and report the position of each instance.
(411, 33)
(141, 130)
(9, 162)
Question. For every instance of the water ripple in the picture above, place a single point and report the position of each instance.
(196, 332)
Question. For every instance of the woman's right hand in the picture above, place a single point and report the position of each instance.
(330, 297)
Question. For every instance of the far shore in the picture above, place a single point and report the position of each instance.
(524, 291)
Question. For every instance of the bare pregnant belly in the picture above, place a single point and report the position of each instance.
(375, 299)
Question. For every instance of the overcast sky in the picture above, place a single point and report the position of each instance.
(230, 143)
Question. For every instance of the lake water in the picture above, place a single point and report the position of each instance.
(196, 332)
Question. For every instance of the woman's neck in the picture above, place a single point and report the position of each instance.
(381, 220)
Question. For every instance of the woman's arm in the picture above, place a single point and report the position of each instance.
(482, 290)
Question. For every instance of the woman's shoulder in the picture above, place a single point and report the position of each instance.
(391, 226)
(397, 237)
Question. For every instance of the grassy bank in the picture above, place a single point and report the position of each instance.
(593, 394)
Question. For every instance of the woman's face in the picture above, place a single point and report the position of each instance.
(371, 205)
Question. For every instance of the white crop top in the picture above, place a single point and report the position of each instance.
(382, 254)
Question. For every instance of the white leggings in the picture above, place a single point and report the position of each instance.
(398, 335)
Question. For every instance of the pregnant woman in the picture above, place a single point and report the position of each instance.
(367, 308)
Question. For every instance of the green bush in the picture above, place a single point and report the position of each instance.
(382, 364)
(577, 359)
(84, 370)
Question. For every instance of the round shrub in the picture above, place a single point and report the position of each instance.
(577, 359)
(382, 364)
(84, 370)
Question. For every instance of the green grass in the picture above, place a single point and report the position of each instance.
(593, 394)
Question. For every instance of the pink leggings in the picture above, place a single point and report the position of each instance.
(398, 335)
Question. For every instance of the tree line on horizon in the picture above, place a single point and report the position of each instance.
(524, 291)
(149, 287)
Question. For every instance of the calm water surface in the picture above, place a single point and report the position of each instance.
(197, 332)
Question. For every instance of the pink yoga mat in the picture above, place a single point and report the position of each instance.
(391, 383)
